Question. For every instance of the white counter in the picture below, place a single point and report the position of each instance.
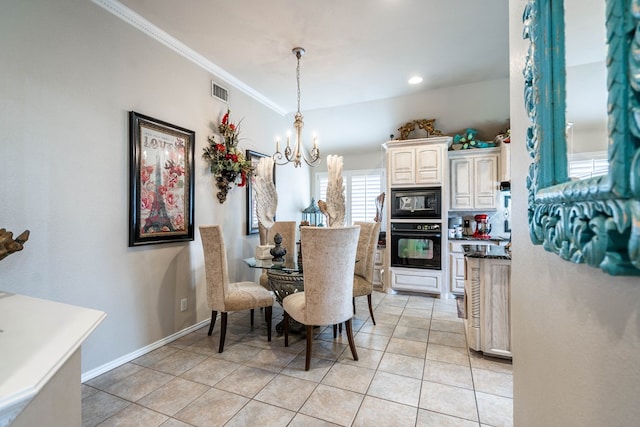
(37, 337)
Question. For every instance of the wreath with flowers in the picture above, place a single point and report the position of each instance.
(226, 161)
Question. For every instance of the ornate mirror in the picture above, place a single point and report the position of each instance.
(595, 220)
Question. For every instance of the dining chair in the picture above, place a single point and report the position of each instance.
(366, 256)
(223, 296)
(287, 230)
(328, 255)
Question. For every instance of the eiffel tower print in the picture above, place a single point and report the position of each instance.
(158, 219)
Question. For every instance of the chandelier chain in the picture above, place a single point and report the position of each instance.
(298, 78)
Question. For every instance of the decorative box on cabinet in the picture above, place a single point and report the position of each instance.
(474, 179)
(417, 162)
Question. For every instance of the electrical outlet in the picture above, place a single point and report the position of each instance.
(183, 304)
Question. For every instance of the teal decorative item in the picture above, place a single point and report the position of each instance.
(468, 140)
(594, 221)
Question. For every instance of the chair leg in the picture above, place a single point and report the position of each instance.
(307, 360)
(286, 329)
(252, 310)
(352, 343)
(223, 331)
(340, 328)
(335, 331)
(353, 301)
(268, 314)
(371, 309)
(214, 314)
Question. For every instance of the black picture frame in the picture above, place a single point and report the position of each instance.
(252, 219)
(161, 181)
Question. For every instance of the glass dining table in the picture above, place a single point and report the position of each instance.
(284, 279)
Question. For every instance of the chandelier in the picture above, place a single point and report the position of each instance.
(295, 154)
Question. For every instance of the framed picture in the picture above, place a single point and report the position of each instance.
(252, 218)
(161, 181)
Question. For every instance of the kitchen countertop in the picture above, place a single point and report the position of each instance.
(474, 239)
(486, 252)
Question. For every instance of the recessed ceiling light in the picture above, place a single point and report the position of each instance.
(415, 80)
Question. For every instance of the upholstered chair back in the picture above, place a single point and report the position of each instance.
(215, 265)
(367, 244)
(329, 256)
(287, 230)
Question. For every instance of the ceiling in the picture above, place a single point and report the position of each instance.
(356, 50)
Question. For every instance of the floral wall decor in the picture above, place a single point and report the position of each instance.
(226, 161)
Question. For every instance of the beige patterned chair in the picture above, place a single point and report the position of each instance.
(223, 296)
(287, 230)
(366, 254)
(328, 255)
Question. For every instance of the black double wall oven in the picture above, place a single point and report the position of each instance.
(416, 228)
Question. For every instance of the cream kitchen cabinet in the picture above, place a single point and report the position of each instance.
(474, 180)
(457, 264)
(417, 162)
(505, 162)
(488, 305)
(378, 267)
(456, 267)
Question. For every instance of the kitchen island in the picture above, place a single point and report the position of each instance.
(40, 369)
(488, 299)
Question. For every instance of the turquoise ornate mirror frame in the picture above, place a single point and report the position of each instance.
(594, 221)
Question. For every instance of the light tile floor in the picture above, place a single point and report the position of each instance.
(414, 370)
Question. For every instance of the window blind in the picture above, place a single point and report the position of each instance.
(361, 189)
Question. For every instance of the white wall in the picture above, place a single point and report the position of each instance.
(483, 106)
(69, 74)
(576, 331)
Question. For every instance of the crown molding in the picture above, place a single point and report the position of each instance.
(132, 18)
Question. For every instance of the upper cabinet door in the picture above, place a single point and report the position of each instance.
(462, 183)
(474, 181)
(429, 165)
(402, 163)
(486, 174)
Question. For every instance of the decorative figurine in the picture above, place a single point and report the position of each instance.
(8, 245)
(278, 251)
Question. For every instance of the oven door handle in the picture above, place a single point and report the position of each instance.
(416, 234)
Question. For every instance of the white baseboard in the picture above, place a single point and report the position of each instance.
(86, 376)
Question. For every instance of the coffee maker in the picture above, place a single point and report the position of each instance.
(482, 227)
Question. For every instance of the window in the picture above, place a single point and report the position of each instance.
(362, 187)
(588, 165)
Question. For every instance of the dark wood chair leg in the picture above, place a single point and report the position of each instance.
(286, 329)
(352, 343)
(252, 310)
(214, 314)
(373, 319)
(268, 314)
(340, 328)
(335, 331)
(307, 360)
(223, 331)
(353, 301)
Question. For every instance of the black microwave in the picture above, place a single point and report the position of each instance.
(416, 203)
